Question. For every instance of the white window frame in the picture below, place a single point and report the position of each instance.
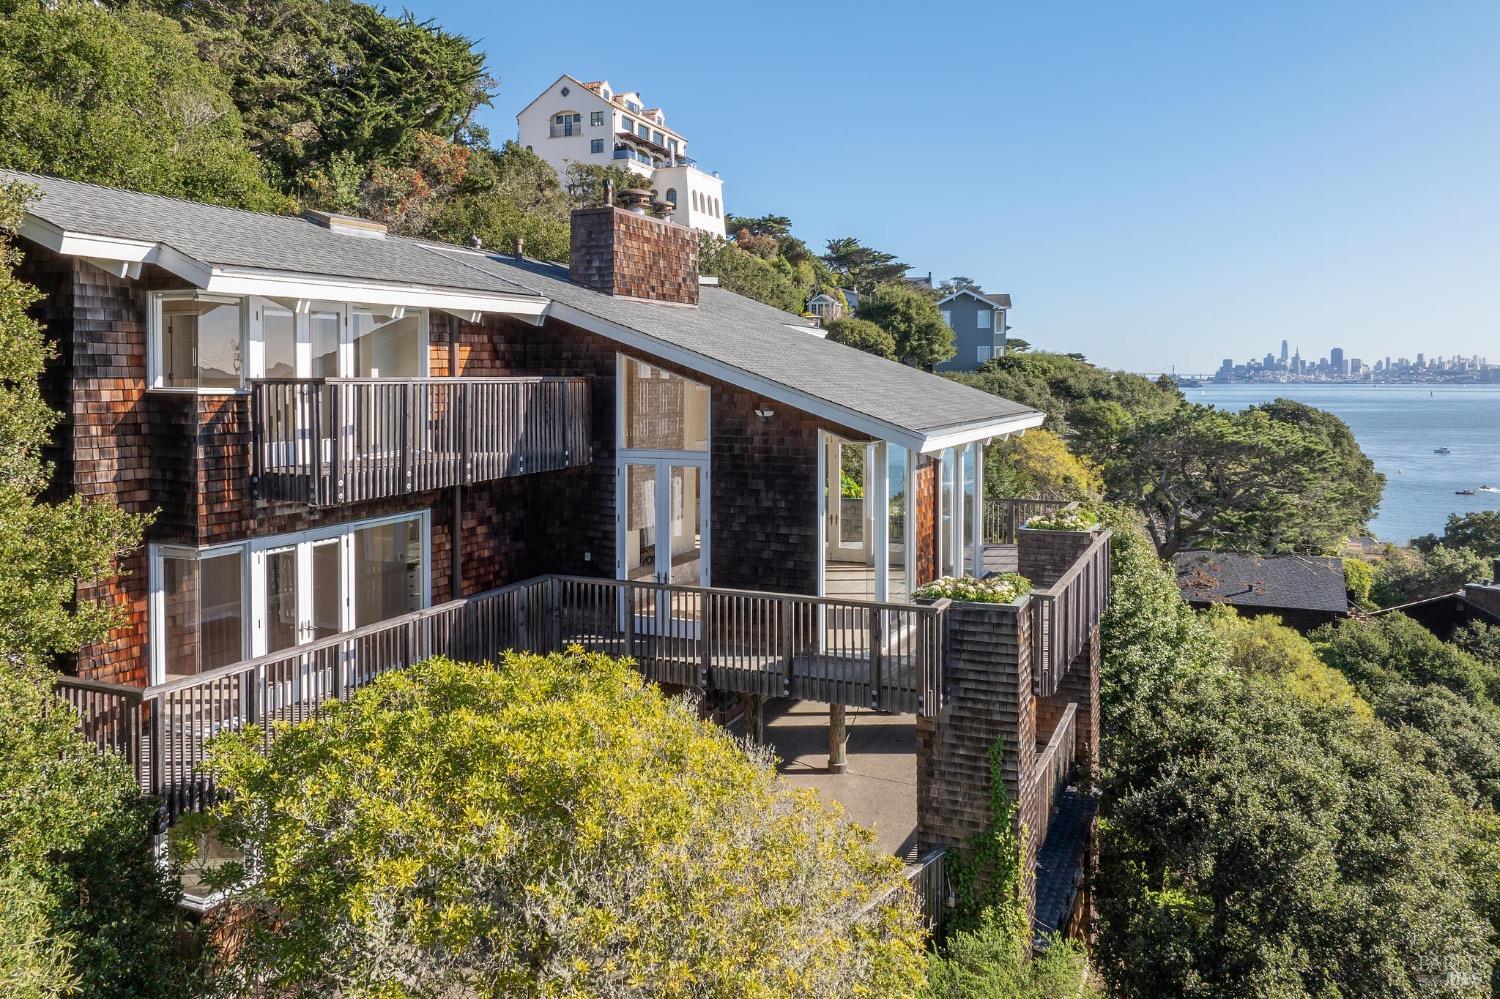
(983, 352)
(253, 584)
(701, 460)
(984, 319)
(156, 378)
(948, 318)
(253, 341)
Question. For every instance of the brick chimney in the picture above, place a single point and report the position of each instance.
(628, 254)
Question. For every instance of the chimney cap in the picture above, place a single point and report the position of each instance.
(637, 199)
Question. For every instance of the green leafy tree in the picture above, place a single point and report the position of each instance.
(1403, 575)
(746, 274)
(1354, 486)
(550, 826)
(84, 907)
(505, 195)
(325, 85)
(861, 267)
(913, 321)
(120, 97)
(1038, 464)
(1478, 532)
(954, 285)
(1242, 481)
(861, 334)
(777, 226)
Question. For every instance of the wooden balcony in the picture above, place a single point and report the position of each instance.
(1053, 771)
(783, 645)
(329, 441)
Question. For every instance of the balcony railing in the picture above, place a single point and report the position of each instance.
(329, 441)
(1053, 771)
(557, 131)
(1065, 614)
(841, 651)
(1003, 516)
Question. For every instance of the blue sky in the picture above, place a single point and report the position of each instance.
(1155, 184)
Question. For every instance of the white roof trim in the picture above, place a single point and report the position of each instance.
(972, 294)
(925, 443)
(272, 284)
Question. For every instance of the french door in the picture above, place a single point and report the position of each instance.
(306, 588)
(663, 538)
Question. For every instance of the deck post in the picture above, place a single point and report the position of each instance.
(755, 719)
(877, 639)
(788, 640)
(838, 738)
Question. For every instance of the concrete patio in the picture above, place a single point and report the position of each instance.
(878, 790)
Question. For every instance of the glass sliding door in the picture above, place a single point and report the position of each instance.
(898, 532)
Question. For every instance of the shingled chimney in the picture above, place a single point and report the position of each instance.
(628, 254)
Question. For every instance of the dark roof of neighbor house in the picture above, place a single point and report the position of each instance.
(1002, 299)
(781, 347)
(760, 343)
(1282, 582)
(232, 237)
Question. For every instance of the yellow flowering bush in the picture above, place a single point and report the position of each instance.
(548, 826)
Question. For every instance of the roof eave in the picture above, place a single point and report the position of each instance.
(272, 284)
(924, 441)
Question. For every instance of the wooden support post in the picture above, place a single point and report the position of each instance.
(755, 719)
(838, 738)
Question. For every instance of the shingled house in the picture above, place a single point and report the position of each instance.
(363, 449)
(1305, 591)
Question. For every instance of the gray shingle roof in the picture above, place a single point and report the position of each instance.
(759, 339)
(1000, 298)
(234, 238)
(762, 342)
(1288, 582)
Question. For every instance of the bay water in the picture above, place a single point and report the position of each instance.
(1400, 427)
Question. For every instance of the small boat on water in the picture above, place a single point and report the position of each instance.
(1442, 450)
(1463, 492)
(1489, 489)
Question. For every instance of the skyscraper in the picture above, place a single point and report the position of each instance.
(1284, 354)
(1336, 361)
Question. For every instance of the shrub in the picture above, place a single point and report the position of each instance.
(861, 334)
(1359, 580)
(551, 825)
(84, 906)
(1000, 588)
(1066, 519)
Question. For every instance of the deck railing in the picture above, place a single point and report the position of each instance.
(1065, 614)
(1002, 517)
(844, 651)
(928, 879)
(329, 441)
(1053, 771)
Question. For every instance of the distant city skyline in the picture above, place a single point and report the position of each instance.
(1154, 184)
(1339, 364)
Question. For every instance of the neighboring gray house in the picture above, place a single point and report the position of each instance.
(978, 324)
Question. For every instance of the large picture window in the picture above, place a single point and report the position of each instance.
(215, 606)
(202, 343)
(214, 343)
(662, 411)
(202, 609)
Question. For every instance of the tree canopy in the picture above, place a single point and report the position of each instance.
(120, 97)
(1262, 834)
(861, 267)
(1247, 481)
(861, 334)
(913, 321)
(551, 826)
(1478, 531)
